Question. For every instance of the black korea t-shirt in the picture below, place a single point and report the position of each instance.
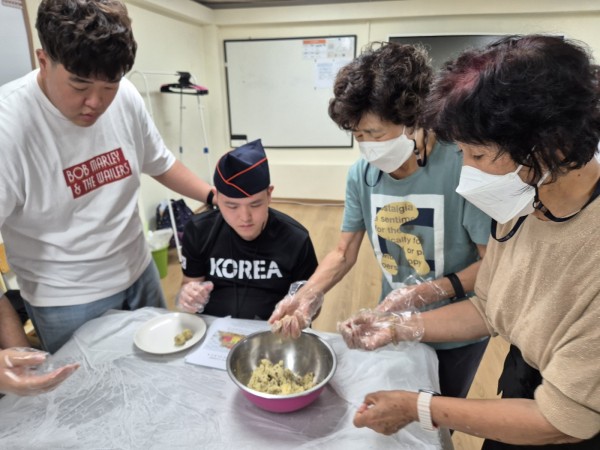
(250, 277)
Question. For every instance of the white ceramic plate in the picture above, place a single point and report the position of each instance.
(158, 335)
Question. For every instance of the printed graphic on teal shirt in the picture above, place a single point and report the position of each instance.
(408, 236)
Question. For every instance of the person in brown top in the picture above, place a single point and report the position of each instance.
(526, 113)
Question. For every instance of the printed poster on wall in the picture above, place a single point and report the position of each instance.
(329, 56)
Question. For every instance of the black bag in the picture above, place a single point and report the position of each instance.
(519, 380)
(182, 214)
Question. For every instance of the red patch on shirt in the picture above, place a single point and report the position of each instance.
(96, 172)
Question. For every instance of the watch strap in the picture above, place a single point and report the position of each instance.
(424, 410)
(459, 291)
(209, 198)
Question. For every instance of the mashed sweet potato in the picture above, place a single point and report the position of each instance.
(275, 379)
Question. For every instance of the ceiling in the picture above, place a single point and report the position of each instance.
(231, 4)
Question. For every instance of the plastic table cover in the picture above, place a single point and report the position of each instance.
(124, 398)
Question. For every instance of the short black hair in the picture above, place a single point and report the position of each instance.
(90, 38)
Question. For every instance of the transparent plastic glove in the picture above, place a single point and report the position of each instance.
(194, 296)
(25, 371)
(371, 329)
(413, 296)
(296, 310)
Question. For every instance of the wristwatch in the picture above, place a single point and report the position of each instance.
(424, 409)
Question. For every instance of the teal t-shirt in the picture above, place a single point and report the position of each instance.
(418, 225)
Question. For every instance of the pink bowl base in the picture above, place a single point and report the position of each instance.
(283, 405)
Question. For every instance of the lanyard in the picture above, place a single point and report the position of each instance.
(540, 206)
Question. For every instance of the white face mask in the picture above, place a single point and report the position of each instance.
(502, 197)
(389, 155)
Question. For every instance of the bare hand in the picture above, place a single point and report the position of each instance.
(387, 412)
(18, 372)
(194, 296)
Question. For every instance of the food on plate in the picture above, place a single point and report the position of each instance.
(183, 337)
(187, 334)
(179, 340)
(275, 379)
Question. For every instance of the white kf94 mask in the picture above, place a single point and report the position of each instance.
(388, 155)
(502, 197)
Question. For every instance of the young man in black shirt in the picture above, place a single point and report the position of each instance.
(241, 259)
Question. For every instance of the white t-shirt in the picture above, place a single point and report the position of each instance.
(68, 194)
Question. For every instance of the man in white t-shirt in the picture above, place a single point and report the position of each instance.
(75, 138)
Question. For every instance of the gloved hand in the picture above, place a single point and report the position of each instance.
(19, 372)
(412, 297)
(296, 311)
(194, 296)
(371, 329)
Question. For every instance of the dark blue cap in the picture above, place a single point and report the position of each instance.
(243, 171)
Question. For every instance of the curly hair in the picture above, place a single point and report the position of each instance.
(90, 38)
(533, 95)
(391, 82)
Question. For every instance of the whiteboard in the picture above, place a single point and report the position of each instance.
(278, 90)
(15, 54)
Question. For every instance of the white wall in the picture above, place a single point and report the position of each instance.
(167, 45)
(321, 173)
(183, 35)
